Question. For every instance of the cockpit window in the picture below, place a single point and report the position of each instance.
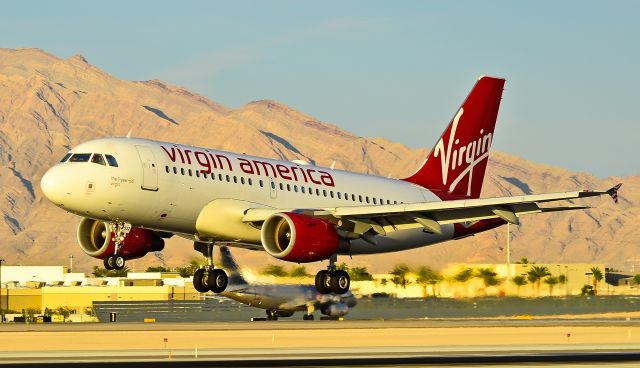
(111, 160)
(66, 157)
(98, 159)
(80, 157)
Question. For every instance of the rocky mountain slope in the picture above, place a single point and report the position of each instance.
(49, 104)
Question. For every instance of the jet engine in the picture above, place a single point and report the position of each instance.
(96, 239)
(335, 310)
(299, 238)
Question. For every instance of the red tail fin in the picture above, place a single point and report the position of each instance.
(456, 165)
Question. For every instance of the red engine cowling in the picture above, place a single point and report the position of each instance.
(96, 239)
(298, 238)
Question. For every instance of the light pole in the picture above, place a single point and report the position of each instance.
(1, 309)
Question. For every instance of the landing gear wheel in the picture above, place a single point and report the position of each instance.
(308, 317)
(340, 282)
(271, 315)
(118, 262)
(108, 263)
(217, 280)
(323, 282)
(198, 283)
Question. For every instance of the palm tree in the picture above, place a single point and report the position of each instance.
(400, 273)
(190, 269)
(464, 276)
(274, 270)
(299, 271)
(519, 281)
(597, 277)
(360, 274)
(488, 277)
(536, 274)
(158, 269)
(524, 261)
(636, 279)
(551, 281)
(101, 272)
(427, 276)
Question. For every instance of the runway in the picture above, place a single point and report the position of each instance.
(324, 343)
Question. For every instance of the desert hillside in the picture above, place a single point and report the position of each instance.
(49, 104)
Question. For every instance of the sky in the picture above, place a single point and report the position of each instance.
(397, 70)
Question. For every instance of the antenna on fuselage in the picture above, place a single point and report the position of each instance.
(129, 133)
(333, 165)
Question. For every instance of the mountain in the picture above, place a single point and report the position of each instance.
(49, 104)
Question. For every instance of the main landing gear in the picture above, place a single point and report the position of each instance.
(332, 280)
(209, 278)
(116, 261)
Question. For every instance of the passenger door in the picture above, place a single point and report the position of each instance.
(149, 169)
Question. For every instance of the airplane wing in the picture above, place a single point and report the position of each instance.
(431, 215)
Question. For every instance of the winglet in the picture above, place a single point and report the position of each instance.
(613, 192)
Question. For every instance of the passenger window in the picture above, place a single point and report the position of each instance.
(235, 179)
(302, 189)
(241, 180)
(250, 181)
(281, 186)
(66, 157)
(331, 193)
(111, 160)
(220, 177)
(204, 174)
(295, 188)
(353, 197)
(367, 198)
(273, 185)
(175, 170)
(375, 201)
(167, 169)
(288, 188)
(346, 197)
(80, 157)
(339, 195)
(360, 198)
(324, 192)
(317, 192)
(228, 179)
(190, 173)
(182, 170)
(260, 182)
(197, 174)
(98, 159)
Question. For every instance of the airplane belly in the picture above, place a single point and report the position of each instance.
(401, 240)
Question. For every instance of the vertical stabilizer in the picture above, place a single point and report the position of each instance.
(455, 167)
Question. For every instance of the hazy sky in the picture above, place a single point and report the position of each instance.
(392, 69)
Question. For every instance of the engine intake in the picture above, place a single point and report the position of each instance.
(298, 238)
(96, 239)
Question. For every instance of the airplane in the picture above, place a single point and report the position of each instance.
(282, 300)
(134, 193)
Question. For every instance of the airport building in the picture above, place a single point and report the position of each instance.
(37, 288)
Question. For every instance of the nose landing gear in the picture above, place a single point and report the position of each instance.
(332, 280)
(209, 278)
(115, 261)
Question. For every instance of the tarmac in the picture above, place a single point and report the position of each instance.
(321, 343)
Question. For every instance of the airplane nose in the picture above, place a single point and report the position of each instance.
(51, 185)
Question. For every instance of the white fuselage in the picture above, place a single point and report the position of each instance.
(165, 186)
